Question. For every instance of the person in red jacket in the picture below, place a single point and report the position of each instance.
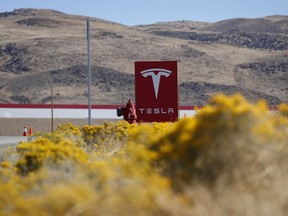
(128, 112)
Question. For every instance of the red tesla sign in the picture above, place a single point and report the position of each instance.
(156, 91)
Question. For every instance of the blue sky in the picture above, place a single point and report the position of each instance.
(136, 12)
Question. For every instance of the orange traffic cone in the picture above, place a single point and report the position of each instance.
(30, 131)
(25, 131)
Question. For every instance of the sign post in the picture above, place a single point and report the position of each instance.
(156, 91)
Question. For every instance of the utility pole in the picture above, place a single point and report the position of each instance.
(52, 110)
(89, 72)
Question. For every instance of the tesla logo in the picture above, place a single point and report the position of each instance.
(156, 77)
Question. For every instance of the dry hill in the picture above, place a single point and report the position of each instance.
(44, 48)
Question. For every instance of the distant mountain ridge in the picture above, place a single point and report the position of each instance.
(44, 48)
(270, 24)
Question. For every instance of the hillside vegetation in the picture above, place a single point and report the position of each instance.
(44, 48)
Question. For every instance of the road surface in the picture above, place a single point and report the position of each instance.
(12, 140)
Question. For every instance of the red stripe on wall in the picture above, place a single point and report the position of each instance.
(83, 106)
(75, 106)
(57, 106)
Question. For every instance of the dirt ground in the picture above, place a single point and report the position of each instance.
(15, 127)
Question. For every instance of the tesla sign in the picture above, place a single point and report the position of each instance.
(156, 91)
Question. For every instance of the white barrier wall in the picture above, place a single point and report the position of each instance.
(69, 113)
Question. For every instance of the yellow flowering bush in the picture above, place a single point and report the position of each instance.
(91, 132)
(59, 171)
(283, 108)
(147, 133)
(107, 137)
(67, 129)
(34, 153)
(228, 134)
(212, 163)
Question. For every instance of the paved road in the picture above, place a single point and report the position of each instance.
(12, 140)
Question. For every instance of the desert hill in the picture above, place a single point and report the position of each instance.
(44, 48)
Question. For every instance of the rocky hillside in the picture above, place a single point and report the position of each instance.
(44, 48)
